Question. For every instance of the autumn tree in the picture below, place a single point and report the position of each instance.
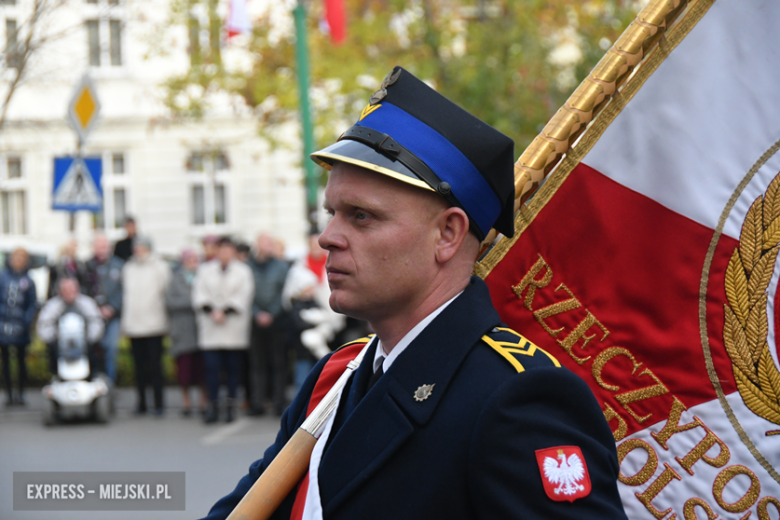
(510, 62)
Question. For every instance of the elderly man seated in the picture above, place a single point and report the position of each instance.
(69, 300)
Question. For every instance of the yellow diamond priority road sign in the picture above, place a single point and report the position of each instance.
(84, 108)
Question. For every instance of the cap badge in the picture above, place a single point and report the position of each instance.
(380, 94)
(367, 110)
(564, 473)
(423, 392)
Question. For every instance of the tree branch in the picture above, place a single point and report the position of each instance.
(23, 53)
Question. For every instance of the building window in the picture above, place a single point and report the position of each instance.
(118, 164)
(120, 207)
(11, 43)
(198, 206)
(220, 215)
(14, 168)
(12, 210)
(115, 29)
(93, 36)
(116, 191)
(195, 162)
(209, 179)
(221, 161)
(105, 30)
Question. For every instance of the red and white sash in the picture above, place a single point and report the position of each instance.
(307, 499)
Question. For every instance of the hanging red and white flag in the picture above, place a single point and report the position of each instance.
(651, 270)
(237, 19)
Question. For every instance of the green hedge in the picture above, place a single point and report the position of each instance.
(38, 364)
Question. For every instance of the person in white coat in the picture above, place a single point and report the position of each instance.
(144, 320)
(222, 298)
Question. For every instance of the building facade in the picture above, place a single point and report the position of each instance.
(180, 179)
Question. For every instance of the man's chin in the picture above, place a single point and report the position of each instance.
(336, 301)
(340, 303)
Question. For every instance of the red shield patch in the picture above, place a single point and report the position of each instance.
(564, 473)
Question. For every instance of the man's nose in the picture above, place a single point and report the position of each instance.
(331, 238)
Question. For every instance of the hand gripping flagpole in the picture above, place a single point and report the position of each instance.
(291, 463)
(641, 38)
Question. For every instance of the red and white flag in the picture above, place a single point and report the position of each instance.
(652, 272)
(237, 19)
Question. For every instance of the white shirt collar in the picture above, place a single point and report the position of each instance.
(386, 360)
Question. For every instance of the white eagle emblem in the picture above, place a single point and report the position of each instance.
(567, 473)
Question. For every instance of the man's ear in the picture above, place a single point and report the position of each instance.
(453, 228)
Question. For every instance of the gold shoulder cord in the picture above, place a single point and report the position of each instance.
(360, 340)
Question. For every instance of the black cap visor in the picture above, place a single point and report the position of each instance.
(359, 154)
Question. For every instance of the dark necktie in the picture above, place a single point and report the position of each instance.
(348, 403)
(375, 377)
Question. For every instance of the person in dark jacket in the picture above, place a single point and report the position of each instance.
(183, 330)
(17, 309)
(103, 282)
(267, 353)
(124, 248)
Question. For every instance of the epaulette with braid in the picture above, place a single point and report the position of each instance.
(516, 349)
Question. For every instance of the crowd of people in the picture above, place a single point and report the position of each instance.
(236, 315)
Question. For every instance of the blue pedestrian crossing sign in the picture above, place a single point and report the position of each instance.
(77, 183)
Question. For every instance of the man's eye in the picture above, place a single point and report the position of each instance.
(361, 215)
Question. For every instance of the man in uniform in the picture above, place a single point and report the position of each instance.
(450, 414)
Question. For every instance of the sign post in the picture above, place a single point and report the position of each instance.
(77, 179)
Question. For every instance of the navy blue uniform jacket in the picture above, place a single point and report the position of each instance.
(468, 450)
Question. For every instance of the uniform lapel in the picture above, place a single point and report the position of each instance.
(353, 393)
(389, 413)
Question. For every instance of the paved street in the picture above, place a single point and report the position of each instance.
(212, 457)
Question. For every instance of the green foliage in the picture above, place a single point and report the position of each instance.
(512, 63)
(37, 365)
(38, 373)
(185, 93)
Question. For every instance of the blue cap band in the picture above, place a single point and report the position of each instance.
(445, 159)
